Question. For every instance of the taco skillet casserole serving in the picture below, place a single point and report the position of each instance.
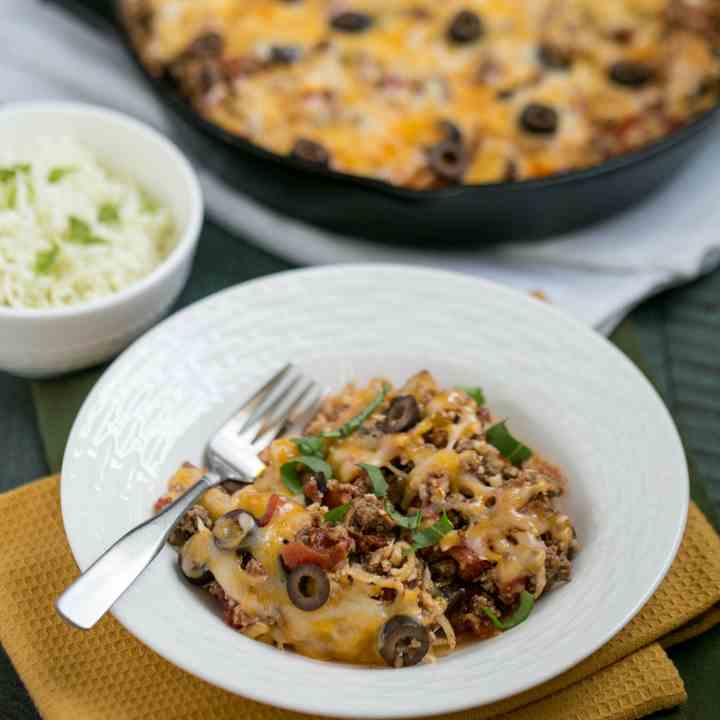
(402, 522)
(424, 94)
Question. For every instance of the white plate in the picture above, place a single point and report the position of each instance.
(568, 393)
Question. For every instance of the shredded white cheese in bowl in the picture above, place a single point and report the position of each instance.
(71, 229)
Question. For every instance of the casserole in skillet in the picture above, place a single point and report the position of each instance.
(425, 95)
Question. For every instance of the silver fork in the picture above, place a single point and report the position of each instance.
(286, 402)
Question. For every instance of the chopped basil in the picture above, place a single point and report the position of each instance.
(379, 483)
(475, 393)
(9, 173)
(354, 423)
(521, 613)
(58, 173)
(499, 436)
(108, 214)
(148, 204)
(45, 260)
(311, 445)
(11, 198)
(79, 232)
(409, 522)
(337, 514)
(289, 473)
(432, 535)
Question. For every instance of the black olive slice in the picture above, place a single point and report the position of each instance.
(193, 559)
(552, 56)
(450, 131)
(351, 22)
(631, 74)
(402, 414)
(208, 45)
(465, 27)
(403, 641)
(448, 160)
(310, 152)
(285, 54)
(539, 119)
(308, 587)
(231, 530)
(232, 486)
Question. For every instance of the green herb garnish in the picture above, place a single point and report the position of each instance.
(432, 535)
(289, 472)
(11, 198)
(9, 173)
(379, 483)
(524, 609)
(354, 423)
(108, 214)
(311, 445)
(45, 260)
(148, 204)
(475, 393)
(79, 232)
(337, 514)
(410, 522)
(499, 436)
(58, 173)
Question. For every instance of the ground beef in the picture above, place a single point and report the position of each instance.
(470, 565)
(508, 594)
(369, 517)
(312, 490)
(472, 462)
(482, 601)
(557, 567)
(481, 627)
(339, 493)
(434, 489)
(369, 543)
(700, 17)
(233, 614)
(437, 437)
(188, 525)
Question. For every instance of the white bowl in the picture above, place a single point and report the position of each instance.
(566, 391)
(43, 343)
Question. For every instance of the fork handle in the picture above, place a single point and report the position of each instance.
(102, 584)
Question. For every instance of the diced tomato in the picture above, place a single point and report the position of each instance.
(161, 503)
(272, 506)
(297, 553)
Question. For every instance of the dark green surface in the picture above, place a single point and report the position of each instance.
(677, 335)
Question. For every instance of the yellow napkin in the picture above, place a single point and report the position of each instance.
(107, 673)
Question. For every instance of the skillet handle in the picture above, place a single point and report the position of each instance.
(98, 14)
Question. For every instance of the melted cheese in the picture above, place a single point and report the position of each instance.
(346, 628)
(508, 521)
(374, 98)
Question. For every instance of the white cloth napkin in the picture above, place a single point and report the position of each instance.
(597, 274)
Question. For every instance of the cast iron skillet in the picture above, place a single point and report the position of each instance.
(464, 215)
